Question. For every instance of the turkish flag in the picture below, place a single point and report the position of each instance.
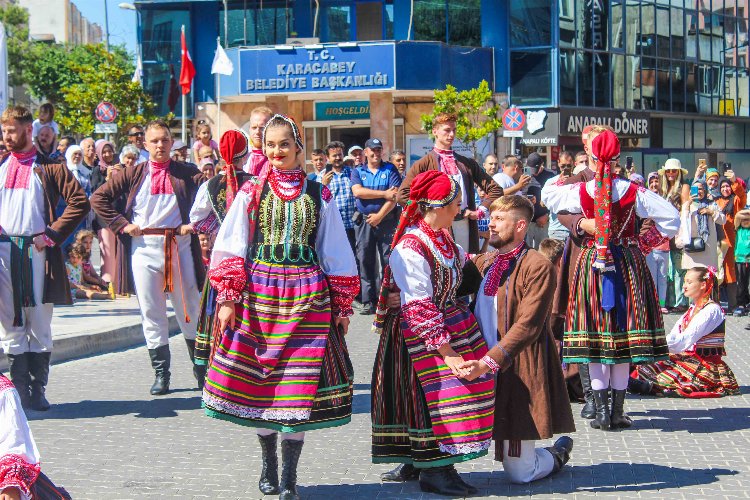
(187, 71)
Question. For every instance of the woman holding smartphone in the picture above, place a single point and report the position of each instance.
(698, 237)
(674, 188)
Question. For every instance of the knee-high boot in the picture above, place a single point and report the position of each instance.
(589, 409)
(160, 361)
(290, 452)
(619, 418)
(269, 475)
(39, 370)
(19, 375)
(602, 420)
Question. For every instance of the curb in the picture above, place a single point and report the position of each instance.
(91, 344)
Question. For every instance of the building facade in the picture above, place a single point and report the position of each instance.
(60, 21)
(670, 75)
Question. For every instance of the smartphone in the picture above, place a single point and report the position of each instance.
(702, 162)
(328, 168)
(693, 191)
(726, 166)
(629, 163)
(567, 170)
(528, 171)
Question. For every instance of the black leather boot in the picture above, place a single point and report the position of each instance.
(602, 418)
(442, 480)
(19, 375)
(160, 361)
(269, 475)
(402, 473)
(290, 452)
(199, 371)
(39, 370)
(619, 418)
(561, 452)
(638, 386)
(589, 409)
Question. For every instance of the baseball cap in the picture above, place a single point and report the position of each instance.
(178, 144)
(353, 149)
(373, 143)
(534, 160)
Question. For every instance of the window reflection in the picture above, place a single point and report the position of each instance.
(457, 22)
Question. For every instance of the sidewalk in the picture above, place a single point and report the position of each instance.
(94, 327)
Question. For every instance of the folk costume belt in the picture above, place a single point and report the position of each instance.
(170, 238)
(21, 273)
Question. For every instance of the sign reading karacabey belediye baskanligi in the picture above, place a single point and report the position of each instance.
(326, 68)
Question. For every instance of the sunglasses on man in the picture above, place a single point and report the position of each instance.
(135, 134)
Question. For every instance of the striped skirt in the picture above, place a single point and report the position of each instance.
(421, 413)
(632, 332)
(691, 376)
(284, 367)
(206, 325)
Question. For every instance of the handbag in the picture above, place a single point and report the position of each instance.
(696, 245)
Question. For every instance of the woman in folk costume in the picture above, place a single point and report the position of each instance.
(285, 286)
(614, 317)
(696, 343)
(425, 415)
(211, 205)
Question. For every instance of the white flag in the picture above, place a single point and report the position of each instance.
(221, 65)
(3, 68)
(138, 70)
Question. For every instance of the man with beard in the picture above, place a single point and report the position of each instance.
(46, 143)
(32, 270)
(256, 160)
(164, 254)
(531, 400)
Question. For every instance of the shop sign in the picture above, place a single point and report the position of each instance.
(624, 123)
(323, 68)
(346, 110)
(542, 128)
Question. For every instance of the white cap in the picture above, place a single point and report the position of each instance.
(353, 149)
(178, 144)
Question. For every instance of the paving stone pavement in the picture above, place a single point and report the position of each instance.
(107, 438)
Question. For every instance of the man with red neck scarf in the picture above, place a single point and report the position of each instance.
(465, 171)
(256, 160)
(164, 254)
(32, 270)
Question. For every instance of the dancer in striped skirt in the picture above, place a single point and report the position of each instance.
(285, 284)
(209, 209)
(614, 317)
(694, 368)
(425, 414)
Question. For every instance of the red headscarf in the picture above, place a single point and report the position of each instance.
(430, 189)
(232, 147)
(605, 148)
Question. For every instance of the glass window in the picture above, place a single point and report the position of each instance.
(617, 32)
(248, 24)
(568, 77)
(699, 134)
(715, 135)
(464, 23)
(531, 78)
(337, 23)
(664, 84)
(673, 133)
(531, 23)
(389, 22)
(735, 136)
(430, 20)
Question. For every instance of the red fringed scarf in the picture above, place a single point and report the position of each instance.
(160, 182)
(447, 161)
(20, 165)
(605, 148)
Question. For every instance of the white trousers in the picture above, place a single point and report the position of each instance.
(147, 261)
(36, 333)
(534, 463)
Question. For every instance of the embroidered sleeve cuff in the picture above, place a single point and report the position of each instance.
(209, 225)
(343, 290)
(505, 358)
(425, 320)
(491, 363)
(229, 278)
(650, 240)
(49, 241)
(15, 472)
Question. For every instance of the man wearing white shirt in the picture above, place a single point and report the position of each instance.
(511, 178)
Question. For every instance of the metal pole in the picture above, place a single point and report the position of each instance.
(226, 28)
(106, 26)
(218, 98)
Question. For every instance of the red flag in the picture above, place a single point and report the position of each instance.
(187, 70)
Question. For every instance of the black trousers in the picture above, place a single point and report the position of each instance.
(743, 282)
(373, 250)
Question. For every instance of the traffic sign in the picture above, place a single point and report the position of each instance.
(106, 112)
(514, 119)
(105, 128)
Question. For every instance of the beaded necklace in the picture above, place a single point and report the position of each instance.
(442, 240)
(287, 184)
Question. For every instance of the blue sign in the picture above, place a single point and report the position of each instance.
(326, 68)
(344, 110)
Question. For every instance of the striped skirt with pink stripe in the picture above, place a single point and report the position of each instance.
(283, 367)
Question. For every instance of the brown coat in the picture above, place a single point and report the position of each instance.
(472, 174)
(531, 399)
(185, 180)
(58, 181)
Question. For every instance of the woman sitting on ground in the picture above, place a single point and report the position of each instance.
(695, 368)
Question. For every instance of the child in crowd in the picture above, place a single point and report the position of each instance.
(85, 238)
(206, 246)
(203, 133)
(742, 259)
(695, 368)
(74, 268)
(206, 161)
(46, 119)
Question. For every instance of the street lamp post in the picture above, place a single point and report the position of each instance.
(106, 26)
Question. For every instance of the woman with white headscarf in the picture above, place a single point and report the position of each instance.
(82, 173)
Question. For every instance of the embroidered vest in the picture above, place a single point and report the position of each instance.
(712, 344)
(445, 279)
(286, 231)
(217, 193)
(623, 228)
